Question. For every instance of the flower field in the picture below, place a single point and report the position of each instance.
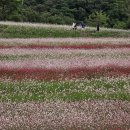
(49, 61)
(65, 83)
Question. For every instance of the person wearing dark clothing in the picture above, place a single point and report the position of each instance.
(82, 25)
(98, 27)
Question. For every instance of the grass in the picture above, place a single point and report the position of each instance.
(73, 90)
(14, 57)
(12, 31)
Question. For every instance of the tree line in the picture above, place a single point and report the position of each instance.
(109, 13)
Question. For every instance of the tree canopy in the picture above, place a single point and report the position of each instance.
(110, 13)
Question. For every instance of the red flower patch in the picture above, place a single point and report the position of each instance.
(61, 74)
(90, 46)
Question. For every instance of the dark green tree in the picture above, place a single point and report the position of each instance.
(115, 13)
(10, 10)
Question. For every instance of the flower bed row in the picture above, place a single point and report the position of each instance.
(85, 115)
(61, 74)
(89, 46)
(71, 61)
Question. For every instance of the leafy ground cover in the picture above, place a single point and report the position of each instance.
(67, 90)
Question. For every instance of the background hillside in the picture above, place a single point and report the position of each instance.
(110, 13)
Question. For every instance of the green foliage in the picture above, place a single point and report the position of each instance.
(120, 25)
(97, 17)
(3, 28)
(128, 23)
(92, 89)
(111, 13)
(15, 17)
(60, 19)
(30, 15)
(8, 8)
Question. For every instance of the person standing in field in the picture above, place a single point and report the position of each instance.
(74, 26)
(98, 26)
(82, 25)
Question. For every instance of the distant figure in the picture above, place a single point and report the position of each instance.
(82, 25)
(74, 26)
(98, 28)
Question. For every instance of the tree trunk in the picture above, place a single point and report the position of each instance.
(98, 28)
